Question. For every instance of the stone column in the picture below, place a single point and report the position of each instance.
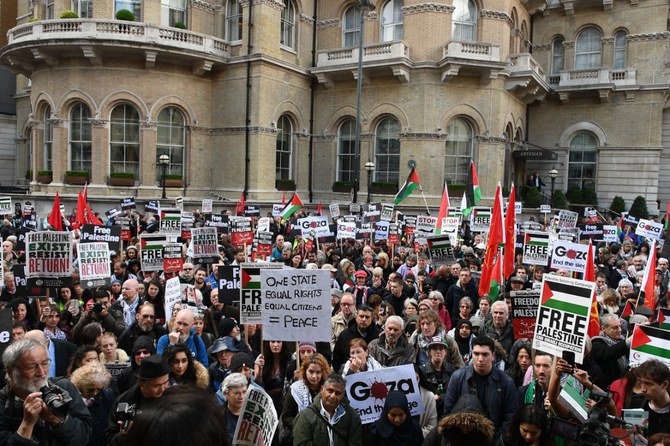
(99, 151)
(59, 149)
(147, 154)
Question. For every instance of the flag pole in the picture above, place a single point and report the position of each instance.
(424, 199)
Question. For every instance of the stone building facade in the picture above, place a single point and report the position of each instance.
(519, 86)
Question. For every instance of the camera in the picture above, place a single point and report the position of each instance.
(97, 308)
(126, 413)
(57, 400)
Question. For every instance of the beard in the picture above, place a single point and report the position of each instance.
(27, 385)
(183, 338)
(145, 328)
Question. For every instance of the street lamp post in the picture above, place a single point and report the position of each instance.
(553, 173)
(365, 5)
(163, 160)
(370, 167)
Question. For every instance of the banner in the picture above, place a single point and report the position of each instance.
(440, 250)
(649, 229)
(6, 206)
(563, 316)
(205, 245)
(524, 312)
(151, 251)
(367, 391)
(49, 259)
(536, 248)
(258, 420)
(570, 256)
(649, 343)
(251, 294)
(171, 222)
(93, 260)
(229, 284)
(240, 231)
(317, 224)
(207, 205)
(108, 234)
(425, 227)
(172, 296)
(567, 219)
(481, 219)
(295, 305)
(172, 258)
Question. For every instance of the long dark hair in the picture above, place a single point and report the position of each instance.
(78, 356)
(527, 414)
(284, 359)
(170, 353)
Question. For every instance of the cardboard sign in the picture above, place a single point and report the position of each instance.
(204, 242)
(128, 203)
(6, 206)
(440, 250)
(545, 209)
(563, 316)
(295, 305)
(49, 258)
(170, 222)
(172, 258)
(524, 312)
(569, 256)
(251, 294)
(172, 296)
(481, 219)
(536, 248)
(151, 251)
(567, 219)
(207, 205)
(649, 229)
(108, 234)
(93, 260)
(334, 209)
(258, 421)
(229, 284)
(367, 391)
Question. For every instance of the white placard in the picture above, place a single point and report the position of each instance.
(317, 224)
(649, 229)
(334, 210)
(569, 256)
(207, 205)
(346, 229)
(172, 296)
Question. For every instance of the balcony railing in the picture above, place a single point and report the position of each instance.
(592, 77)
(371, 53)
(524, 62)
(139, 33)
(472, 50)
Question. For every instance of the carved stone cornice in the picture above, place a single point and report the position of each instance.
(491, 139)
(330, 23)
(371, 16)
(97, 122)
(367, 137)
(648, 36)
(422, 136)
(497, 15)
(205, 6)
(542, 47)
(55, 121)
(147, 123)
(307, 19)
(274, 4)
(428, 7)
(607, 40)
(257, 129)
(324, 138)
(568, 44)
(198, 130)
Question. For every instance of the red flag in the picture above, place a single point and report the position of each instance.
(81, 216)
(627, 310)
(92, 218)
(496, 237)
(239, 208)
(510, 234)
(590, 275)
(319, 208)
(444, 209)
(649, 279)
(54, 219)
(86, 191)
(283, 198)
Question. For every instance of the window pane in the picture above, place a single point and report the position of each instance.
(582, 161)
(588, 49)
(124, 139)
(284, 149)
(346, 151)
(171, 141)
(387, 151)
(80, 138)
(464, 20)
(458, 151)
(351, 27)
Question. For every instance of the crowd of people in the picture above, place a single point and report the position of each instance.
(126, 371)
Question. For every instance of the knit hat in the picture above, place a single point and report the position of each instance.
(226, 326)
(153, 367)
(239, 360)
(306, 345)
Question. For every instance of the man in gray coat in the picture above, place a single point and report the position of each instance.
(391, 348)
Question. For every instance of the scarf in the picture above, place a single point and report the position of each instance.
(622, 361)
(301, 395)
(370, 364)
(129, 310)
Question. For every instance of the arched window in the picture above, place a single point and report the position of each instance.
(458, 151)
(83, 8)
(619, 59)
(524, 37)
(351, 26)
(48, 139)
(582, 161)
(233, 21)
(557, 52)
(513, 48)
(80, 138)
(124, 140)
(173, 12)
(135, 6)
(346, 145)
(392, 27)
(588, 49)
(288, 24)
(284, 151)
(387, 150)
(464, 21)
(171, 139)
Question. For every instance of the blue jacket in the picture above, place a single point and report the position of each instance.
(501, 398)
(194, 343)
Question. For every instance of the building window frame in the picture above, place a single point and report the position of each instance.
(464, 21)
(346, 151)
(392, 27)
(588, 48)
(80, 140)
(351, 26)
(135, 6)
(234, 21)
(284, 148)
(582, 161)
(288, 28)
(83, 8)
(557, 55)
(48, 138)
(50, 10)
(459, 149)
(387, 150)
(125, 122)
(620, 51)
(171, 140)
(173, 12)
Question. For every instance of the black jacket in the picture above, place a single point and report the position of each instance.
(341, 350)
(63, 351)
(130, 335)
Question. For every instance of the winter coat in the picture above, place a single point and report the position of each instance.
(341, 350)
(401, 353)
(311, 428)
(464, 427)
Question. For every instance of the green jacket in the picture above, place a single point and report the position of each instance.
(310, 428)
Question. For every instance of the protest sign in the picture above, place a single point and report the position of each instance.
(363, 231)
(6, 321)
(229, 284)
(563, 316)
(152, 206)
(93, 260)
(649, 343)
(440, 250)
(381, 230)
(317, 224)
(570, 256)
(568, 235)
(172, 296)
(330, 236)
(649, 229)
(240, 231)
(218, 221)
(536, 248)
(251, 294)
(524, 312)
(171, 222)
(334, 210)
(481, 219)
(113, 213)
(108, 234)
(205, 245)
(409, 225)
(276, 209)
(629, 220)
(295, 304)
(367, 391)
(116, 368)
(179, 203)
(128, 203)
(151, 251)
(371, 212)
(252, 210)
(346, 229)
(19, 271)
(172, 258)
(609, 234)
(545, 209)
(258, 420)
(387, 212)
(263, 224)
(425, 227)
(207, 205)
(393, 234)
(592, 231)
(6, 206)
(264, 243)
(123, 223)
(49, 259)
(187, 222)
(567, 219)
(450, 224)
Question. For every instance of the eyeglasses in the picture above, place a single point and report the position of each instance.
(342, 304)
(44, 365)
(148, 316)
(142, 352)
(434, 298)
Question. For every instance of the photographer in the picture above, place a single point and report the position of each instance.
(33, 410)
(97, 310)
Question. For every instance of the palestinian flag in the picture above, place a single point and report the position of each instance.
(472, 194)
(510, 234)
(444, 210)
(411, 183)
(251, 278)
(628, 309)
(593, 329)
(574, 399)
(649, 279)
(565, 297)
(667, 215)
(496, 280)
(663, 318)
(293, 205)
(496, 238)
(650, 343)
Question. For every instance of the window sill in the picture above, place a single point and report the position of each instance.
(288, 49)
